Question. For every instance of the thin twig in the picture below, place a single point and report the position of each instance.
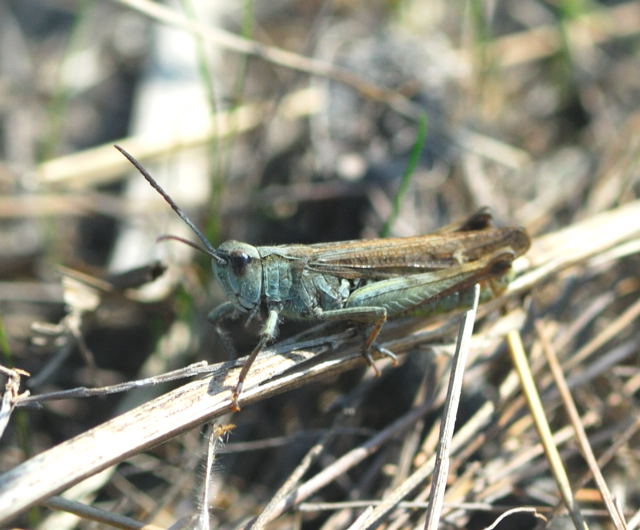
(274, 55)
(271, 511)
(98, 164)
(518, 356)
(613, 330)
(440, 472)
(352, 458)
(195, 369)
(91, 513)
(581, 436)
(513, 511)
(413, 505)
(463, 436)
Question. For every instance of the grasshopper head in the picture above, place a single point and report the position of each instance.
(239, 271)
(237, 265)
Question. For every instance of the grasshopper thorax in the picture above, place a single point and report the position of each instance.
(239, 273)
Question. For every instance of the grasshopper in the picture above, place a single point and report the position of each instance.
(364, 281)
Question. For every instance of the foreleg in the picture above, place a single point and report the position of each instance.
(267, 335)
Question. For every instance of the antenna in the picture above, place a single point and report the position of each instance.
(208, 247)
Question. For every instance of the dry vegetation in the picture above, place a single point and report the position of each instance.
(280, 122)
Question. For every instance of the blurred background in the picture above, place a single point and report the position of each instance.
(280, 122)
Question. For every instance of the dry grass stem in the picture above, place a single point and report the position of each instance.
(579, 428)
(452, 401)
(521, 363)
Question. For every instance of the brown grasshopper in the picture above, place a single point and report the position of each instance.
(367, 281)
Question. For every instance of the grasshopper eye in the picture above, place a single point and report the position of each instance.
(239, 262)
